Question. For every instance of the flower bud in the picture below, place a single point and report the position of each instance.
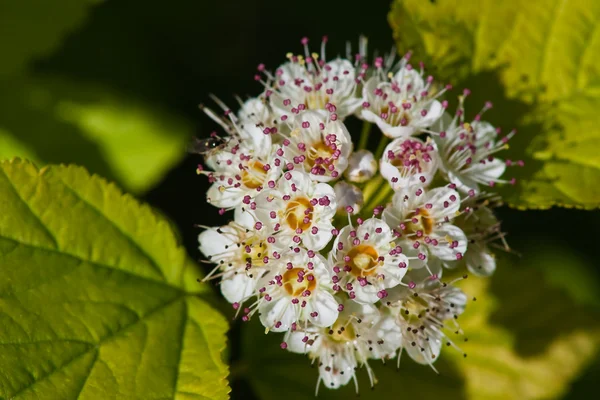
(361, 166)
(350, 198)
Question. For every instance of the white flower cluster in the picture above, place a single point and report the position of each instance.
(345, 262)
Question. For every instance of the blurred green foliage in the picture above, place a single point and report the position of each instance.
(52, 119)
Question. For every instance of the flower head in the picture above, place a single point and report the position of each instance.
(241, 256)
(400, 101)
(341, 348)
(295, 291)
(408, 162)
(424, 218)
(309, 82)
(319, 145)
(421, 312)
(467, 151)
(297, 210)
(365, 261)
(341, 249)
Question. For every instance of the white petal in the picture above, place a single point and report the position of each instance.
(244, 216)
(224, 198)
(443, 250)
(429, 355)
(480, 261)
(327, 308)
(434, 113)
(442, 205)
(365, 294)
(393, 273)
(238, 288)
(295, 343)
(331, 370)
(274, 311)
(213, 243)
(490, 171)
(319, 240)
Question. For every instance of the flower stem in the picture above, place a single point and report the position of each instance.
(382, 196)
(381, 147)
(371, 187)
(364, 135)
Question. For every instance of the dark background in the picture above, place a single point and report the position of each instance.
(175, 53)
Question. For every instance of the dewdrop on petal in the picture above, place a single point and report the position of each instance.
(362, 166)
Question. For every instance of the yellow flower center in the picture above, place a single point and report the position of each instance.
(363, 260)
(420, 221)
(298, 213)
(291, 283)
(342, 331)
(254, 174)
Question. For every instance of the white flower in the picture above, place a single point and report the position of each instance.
(340, 349)
(400, 103)
(365, 261)
(297, 290)
(240, 255)
(349, 198)
(408, 162)
(481, 227)
(241, 172)
(297, 210)
(361, 166)
(421, 312)
(466, 152)
(307, 83)
(256, 111)
(318, 144)
(424, 219)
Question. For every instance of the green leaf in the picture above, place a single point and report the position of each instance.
(539, 62)
(97, 298)
(49, 120)
(30, 29)
(528, 338)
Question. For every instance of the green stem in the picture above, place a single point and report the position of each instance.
(381, 147)
(380, 198)
(371, 187)
(364, 135)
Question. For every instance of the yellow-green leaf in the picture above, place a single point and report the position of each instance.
(97, 298)
(539, 62)
(51, 121)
